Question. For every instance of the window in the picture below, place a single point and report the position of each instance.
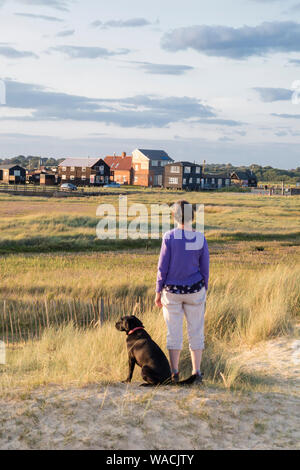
(64, 177)
(227, 182)
(83, 169)
(175, 169)
(136, 167)
(184, 181)
(17, 173)
(135, 179)
(173, 180)
(154, 162)
(64, 168)
(187, 169)
(72, 177)
(101, 168)
(213, 181)
(72, 168)
(198, 170)
(198, 180)
(163, 163)
(83, 178)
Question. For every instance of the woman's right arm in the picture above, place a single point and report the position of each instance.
(163, 264)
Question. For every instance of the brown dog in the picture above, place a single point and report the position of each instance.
(144, 352)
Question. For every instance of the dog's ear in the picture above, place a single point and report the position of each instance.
(126, 324)
(135, 322)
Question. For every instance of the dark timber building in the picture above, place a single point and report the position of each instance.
(183, 175)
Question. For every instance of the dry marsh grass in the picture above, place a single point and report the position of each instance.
(52, 299)
(244, 308)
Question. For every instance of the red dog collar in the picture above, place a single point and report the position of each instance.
(135, 329)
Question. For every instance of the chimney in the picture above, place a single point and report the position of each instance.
(123, 154)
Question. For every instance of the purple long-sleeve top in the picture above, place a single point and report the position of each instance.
(184, 259)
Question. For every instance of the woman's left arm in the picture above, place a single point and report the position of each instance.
(204, 263)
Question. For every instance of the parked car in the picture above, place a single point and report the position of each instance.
(113, 184)
(68, 187)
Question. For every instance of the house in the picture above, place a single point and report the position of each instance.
(42, 177)
(215, 181)
(183, 175)
(148, 166)
(84, 171)
(48, 179)
(33, 176)
(12, 174)
(244, 178)
(121, 170)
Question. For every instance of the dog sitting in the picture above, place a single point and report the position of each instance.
(144, 352)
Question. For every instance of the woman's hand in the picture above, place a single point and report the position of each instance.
(158, 300)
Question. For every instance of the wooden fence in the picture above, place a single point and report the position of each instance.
(23, 321)
(276, 192)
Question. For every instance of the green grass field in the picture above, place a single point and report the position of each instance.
(55, 276)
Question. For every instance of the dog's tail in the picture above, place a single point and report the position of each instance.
(188, 381)
(169, 381)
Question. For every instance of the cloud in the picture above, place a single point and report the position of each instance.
(12, 53)
(131, 23)
(138, 111)
(84, 52)
(68, 32)
(40, 17)
(269, 95)
(235, 43)
(295, 8)
(286, 116)
(294, 61)
(164, 69)
(281, 133)
(225, 139)
(220, 122)
(62, 5)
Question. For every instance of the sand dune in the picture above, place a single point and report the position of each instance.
(129, 417)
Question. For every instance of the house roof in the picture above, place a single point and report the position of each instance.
(119, 163)
(79, 162)
(8, 167)
(243, 175)
(155, 154)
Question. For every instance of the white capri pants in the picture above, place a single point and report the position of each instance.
(175, 306)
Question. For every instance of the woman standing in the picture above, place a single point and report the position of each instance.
(182, 283)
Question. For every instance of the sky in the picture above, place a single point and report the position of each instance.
(216, 81)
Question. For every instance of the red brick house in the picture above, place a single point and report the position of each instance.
(121, 170)
(148, 166)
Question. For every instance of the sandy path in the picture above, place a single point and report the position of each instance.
(129, 417)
